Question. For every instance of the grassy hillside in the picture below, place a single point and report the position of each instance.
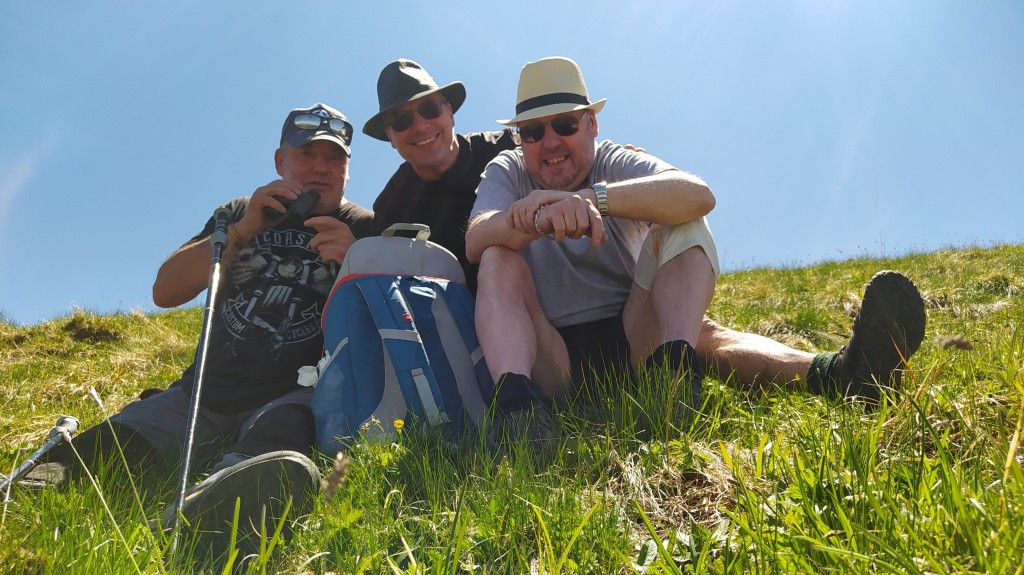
(765, 482)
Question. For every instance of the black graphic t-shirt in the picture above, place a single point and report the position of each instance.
(266, 322)
(442, 204)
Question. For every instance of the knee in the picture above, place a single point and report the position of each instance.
(713, 337)
(499, 263)
(710, 330)
(289, 426)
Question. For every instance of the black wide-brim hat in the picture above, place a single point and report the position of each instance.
(403, 81)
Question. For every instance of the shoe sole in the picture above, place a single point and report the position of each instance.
(893, 305)
(262, 482)
(889, 328)
(43, 475)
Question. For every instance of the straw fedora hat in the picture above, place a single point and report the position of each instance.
(403, 81)
(551, 86)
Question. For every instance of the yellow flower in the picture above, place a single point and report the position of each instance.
(399, 424)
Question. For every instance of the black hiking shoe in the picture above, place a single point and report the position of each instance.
(888, 329)
(677, 362)
(534, 424)
(263, 486)
(690, 390)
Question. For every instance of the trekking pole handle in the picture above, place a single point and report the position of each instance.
(65, 427)
(220, 227)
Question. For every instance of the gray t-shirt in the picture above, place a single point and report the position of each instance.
(576, 283)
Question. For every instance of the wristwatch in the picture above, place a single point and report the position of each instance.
(601, 191)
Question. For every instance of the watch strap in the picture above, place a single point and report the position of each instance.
(601, 192)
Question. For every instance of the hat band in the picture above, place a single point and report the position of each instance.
(549, 99)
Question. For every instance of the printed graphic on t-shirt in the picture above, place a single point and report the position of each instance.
(280, 286)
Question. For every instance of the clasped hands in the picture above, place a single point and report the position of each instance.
(333, 237)
(558, 215)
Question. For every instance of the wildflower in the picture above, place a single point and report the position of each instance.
(369, 424)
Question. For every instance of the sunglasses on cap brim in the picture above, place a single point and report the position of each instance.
(336, 126)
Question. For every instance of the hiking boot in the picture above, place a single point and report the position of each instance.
(264, 484)
(534, 424)
(888, 329)
(677, 364)
(691, 394)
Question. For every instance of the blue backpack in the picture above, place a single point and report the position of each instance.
(400, 344)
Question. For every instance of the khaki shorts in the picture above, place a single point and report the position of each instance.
(666, 242)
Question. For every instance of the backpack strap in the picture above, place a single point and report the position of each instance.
(435, 305)
(405, 353)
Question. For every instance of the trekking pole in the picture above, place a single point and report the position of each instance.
(65, 427)
(218, 239)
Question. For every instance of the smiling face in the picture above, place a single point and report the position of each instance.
(319, 165)
(429, 145)
(561, 162)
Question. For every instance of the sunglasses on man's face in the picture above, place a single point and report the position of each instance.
(428, 110)
(334, 125)
(563, 126)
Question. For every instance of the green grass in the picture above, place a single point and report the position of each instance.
(781, 482)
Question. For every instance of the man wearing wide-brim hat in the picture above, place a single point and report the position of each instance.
(436, 185)
(593, 256)
(557, 228)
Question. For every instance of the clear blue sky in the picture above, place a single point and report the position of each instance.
(827, 129)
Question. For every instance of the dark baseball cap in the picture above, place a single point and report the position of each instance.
(318, 122)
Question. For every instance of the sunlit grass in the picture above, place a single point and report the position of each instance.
(931, 482)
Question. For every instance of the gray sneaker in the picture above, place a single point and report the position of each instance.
(888, 329)
(263, 486)
(535, 425)
(51, 474)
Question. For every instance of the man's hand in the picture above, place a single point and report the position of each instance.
(333, 238)
(253, 221)
(520, 214)
(563, 214)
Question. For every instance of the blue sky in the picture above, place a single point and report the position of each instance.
(828, 130)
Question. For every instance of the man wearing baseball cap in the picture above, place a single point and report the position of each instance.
(277, 272)
(593, 256)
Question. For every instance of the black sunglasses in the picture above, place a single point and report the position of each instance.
(428, 110)
(563, 126)
(334, 125)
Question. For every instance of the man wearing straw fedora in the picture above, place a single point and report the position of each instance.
(436, 185)
(557, 229)
(592, 255)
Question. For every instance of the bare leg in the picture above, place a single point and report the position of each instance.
(673, 309)
(751, 360)
(888, 329)
(514, 334)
